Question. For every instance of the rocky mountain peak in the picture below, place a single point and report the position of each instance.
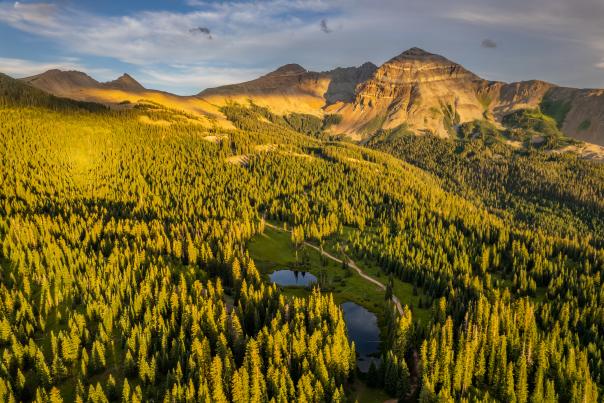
(416, 52)
(288, 70)
(124, 82)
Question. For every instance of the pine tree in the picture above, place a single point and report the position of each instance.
(126, 391)
(522, 383)
(218, 394)
(55, 396)
(510, 394)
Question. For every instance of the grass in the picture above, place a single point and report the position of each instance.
(556, 109)
(402, 290)
(360, 392)
(273, 250)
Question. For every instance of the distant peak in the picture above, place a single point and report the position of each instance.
(416, 52)
(419, 55)
(289, 69)
(72, 77)
(368, 65)
(63, 72)
(124, 82)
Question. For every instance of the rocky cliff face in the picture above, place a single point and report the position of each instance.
(431, 94)
(584, 117)
(424, 91)
(411, 68)
(344, 82)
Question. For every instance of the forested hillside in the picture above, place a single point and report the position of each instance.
(126, 275)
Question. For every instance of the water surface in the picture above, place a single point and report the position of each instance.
(292, 278)
(364, 331)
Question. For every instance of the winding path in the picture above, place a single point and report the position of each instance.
(350, 263)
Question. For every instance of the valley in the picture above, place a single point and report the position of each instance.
(406, 231)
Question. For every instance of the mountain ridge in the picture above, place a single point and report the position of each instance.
(65, 83)
(426, 92)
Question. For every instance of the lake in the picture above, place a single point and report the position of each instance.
(292, 278)
(364, 331)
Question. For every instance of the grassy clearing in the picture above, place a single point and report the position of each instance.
(273, 250)
(402, 290)
(360, 392)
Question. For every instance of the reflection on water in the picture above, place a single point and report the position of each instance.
(292, 278)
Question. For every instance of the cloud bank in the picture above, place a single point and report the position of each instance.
(251, 36)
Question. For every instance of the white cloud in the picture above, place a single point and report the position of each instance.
(186, 79)
(238, 29)
(19, 68)
(251, 37)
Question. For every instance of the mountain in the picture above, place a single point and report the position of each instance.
(16, 93)
(122, 92)
(292, 88)
(424, 92)
(417, 90)
(72, 83)
(125, 83)
(413, 88)
(429, 93)
(62, 83)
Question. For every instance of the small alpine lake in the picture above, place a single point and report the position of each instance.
(292, 278)
(363, 329)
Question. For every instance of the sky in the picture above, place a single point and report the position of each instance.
(184, 46)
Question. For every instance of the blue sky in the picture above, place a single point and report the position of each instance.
(185, 46)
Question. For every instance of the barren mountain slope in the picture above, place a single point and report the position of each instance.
(291, 88)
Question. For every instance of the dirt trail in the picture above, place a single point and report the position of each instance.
(351, 264)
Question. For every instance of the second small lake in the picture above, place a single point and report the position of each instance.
(292, 278)
(364, 331)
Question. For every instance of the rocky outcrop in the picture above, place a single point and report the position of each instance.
(584, 117)
(344, 82)
(424, 91)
